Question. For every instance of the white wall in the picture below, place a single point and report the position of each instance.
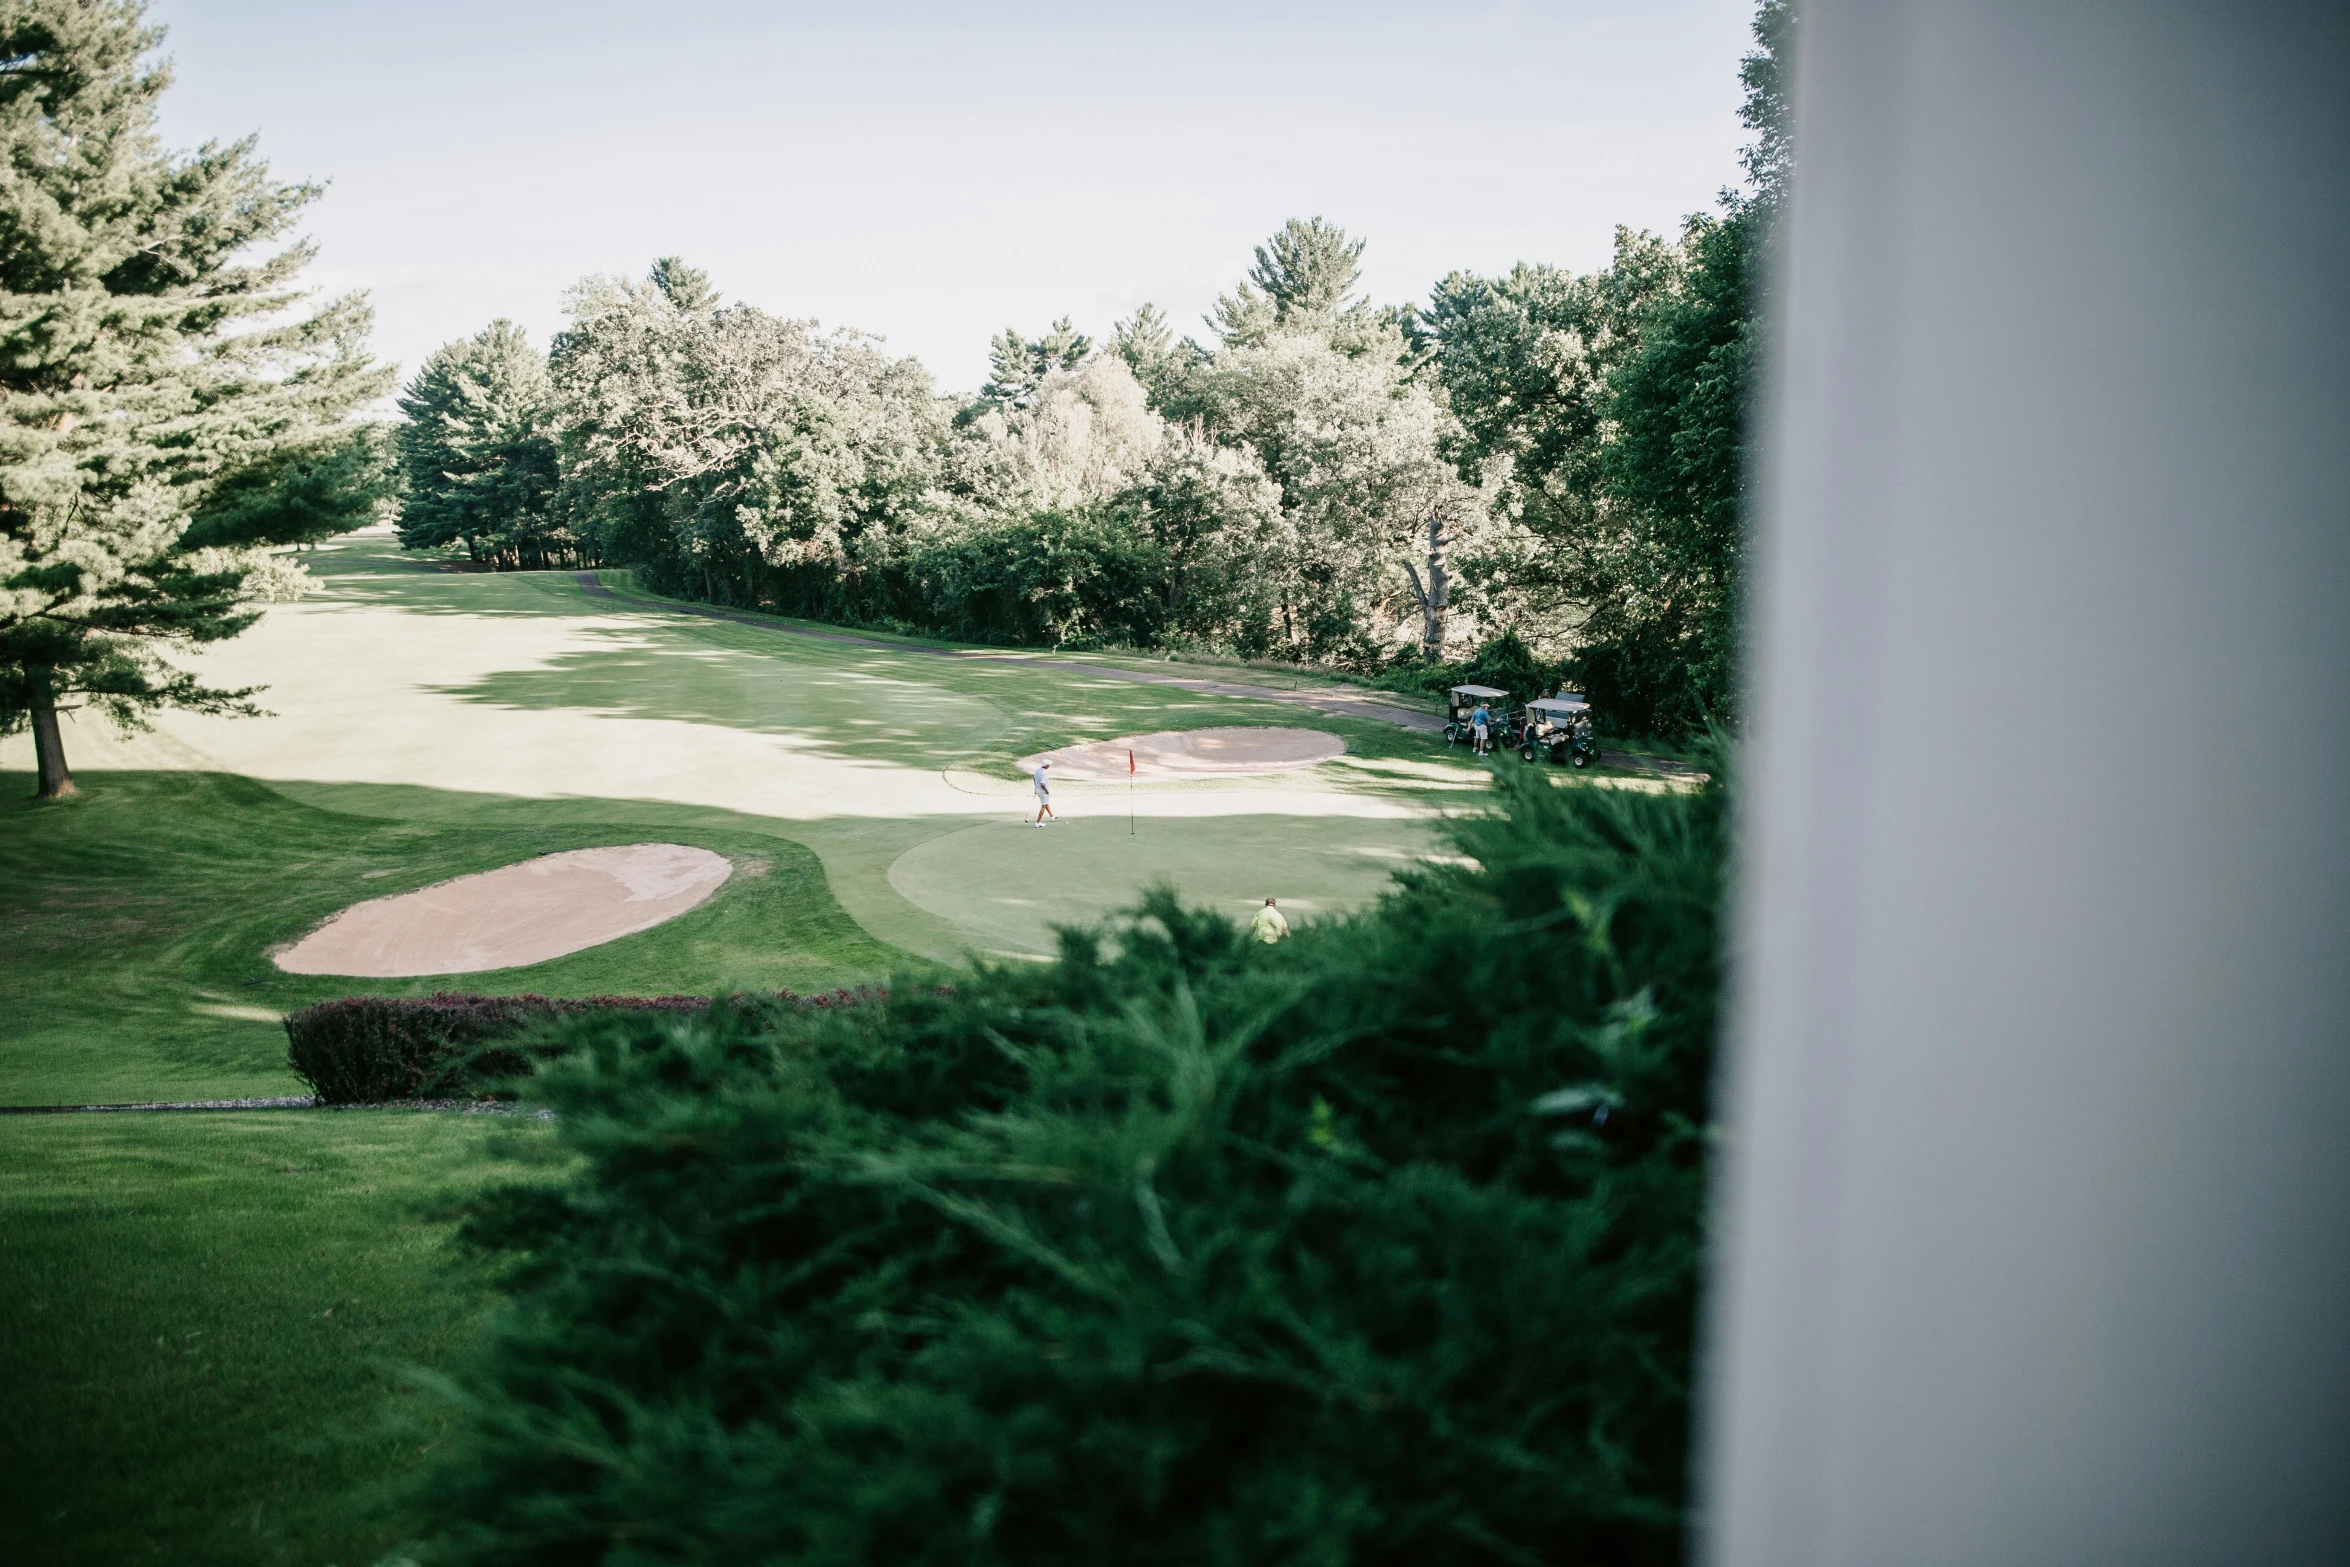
(2039, 1219)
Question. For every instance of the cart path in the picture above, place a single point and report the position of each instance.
(1337, 704)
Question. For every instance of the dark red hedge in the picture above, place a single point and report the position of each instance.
(370, 1049)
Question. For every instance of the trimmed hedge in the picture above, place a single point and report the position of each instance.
(371, 1049)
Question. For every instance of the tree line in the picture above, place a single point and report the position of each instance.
(1544, 463)
(1553, 457)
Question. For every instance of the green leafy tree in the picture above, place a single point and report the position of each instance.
(1615, 404)
(151, 371)
(1665, 657)
(1077, 438)
(1358, 449)
(1215, 518)
(1769, 160)
(478, 454)
(1318, 386)
(1526, 361)
(1661, 649)
(722, 447)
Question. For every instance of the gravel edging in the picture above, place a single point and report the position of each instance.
(305, 1102)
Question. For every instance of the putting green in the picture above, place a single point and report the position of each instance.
(1009, 884)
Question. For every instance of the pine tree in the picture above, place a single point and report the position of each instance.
(1017, 365)
(476, 449)
(1302, 278)
(1303, 285)
(687, 288)
(305, 493)
(1146, 341)
(1062, 348)
(1308, 268)
(1143, 338)
(148, 372)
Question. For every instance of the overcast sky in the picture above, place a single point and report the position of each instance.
(933, 172)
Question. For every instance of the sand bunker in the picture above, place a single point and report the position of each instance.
(519, 914)
(1194, 753)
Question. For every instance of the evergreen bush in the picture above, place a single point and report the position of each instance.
(1378, 1246)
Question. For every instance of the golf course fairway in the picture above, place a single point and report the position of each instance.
(405, 693)
(203, 1317)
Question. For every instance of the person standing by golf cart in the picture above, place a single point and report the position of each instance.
(1044, 796)
(1270, 925)
(1481, 724)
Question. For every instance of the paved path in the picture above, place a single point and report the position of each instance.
(1336, 703)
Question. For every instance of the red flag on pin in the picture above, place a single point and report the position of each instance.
(1130, 762)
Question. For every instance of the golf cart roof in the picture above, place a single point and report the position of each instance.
(1477, 691)
(1557, 704)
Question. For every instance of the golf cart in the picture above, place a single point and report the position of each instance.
(1560, 725)
(1464, 701)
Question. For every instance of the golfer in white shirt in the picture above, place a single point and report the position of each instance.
(1044, 796)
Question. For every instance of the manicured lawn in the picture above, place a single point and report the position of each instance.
(203, 1321)
(471, 700)
(140, 916)
(201, 1314)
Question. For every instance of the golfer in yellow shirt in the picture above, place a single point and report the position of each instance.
(1269, 926)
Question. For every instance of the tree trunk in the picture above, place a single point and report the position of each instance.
(1439, 590)
(48, 744)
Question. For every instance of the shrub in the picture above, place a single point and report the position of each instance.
(1379, 1246)
(370, 1049)
(1641, 682)
(1503, 661)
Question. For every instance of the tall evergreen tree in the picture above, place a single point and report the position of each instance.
(1303, 284)
(302, 494)
(1309, 268)
(477, 450)
(1018, 365)
(687, 289)
(148, 372)
(1146, 341)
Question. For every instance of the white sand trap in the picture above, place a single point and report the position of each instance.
(515, 915)
(1194, 753)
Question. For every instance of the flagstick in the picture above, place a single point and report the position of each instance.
(1130, 794)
